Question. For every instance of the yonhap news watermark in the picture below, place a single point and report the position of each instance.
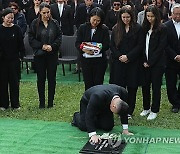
(113, 138)
(151, 140)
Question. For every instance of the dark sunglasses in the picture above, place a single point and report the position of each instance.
(14, 8)
(116, 4)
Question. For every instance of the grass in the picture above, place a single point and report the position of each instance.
(67, 102)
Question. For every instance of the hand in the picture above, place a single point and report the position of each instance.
(49, 48)
(123, 58)
(88, 52)
(126, 132)
(177, 58)
(95, 139)
(145, 65)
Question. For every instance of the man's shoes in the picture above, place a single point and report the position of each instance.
(74, 123)
(152, 116)
(175, 110)
(145, 112)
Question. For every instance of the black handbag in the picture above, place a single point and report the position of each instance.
(39, 52)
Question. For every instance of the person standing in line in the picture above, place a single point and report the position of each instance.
(173, 59)
(153, 61)
(126, 46)
(11, 51)
(112, 15)
(45, 37)
(93, 65)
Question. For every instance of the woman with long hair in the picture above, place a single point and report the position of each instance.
(126, 47)
(45, 38)
(93, 63)
(153, 61)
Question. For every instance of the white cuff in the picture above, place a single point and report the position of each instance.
(125, 126)
(92, 133)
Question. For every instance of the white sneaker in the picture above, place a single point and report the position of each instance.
(2, 109)
(145, 112)
(129, 116)
(152, 116)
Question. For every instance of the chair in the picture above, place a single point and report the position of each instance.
(69, 53)
(29, 53)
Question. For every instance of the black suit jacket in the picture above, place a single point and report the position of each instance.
(157, 44)
(98, 99)
(81, 15)
(66, 19)
(173, 47)
(105, 6)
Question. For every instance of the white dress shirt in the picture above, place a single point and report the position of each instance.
(177, 27)
(148, 36)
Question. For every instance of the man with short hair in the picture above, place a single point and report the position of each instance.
(97, 106)
(173, 59)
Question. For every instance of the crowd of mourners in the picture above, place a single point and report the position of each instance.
(141, 35)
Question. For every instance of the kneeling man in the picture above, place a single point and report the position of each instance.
(97, 106)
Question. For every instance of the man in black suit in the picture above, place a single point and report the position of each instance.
(104, 4)
(173, 59)
(64, 15)
(82, 12)
(97, 106)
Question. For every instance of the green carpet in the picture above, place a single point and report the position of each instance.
(42, 137)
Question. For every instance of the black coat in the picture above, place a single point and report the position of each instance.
(111, 18)
(98, 99)
(173, 47)
(66, 19)
(81, 14)
(131, 45)
(157, 44)
(41, 35)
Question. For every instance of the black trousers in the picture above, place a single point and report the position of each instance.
(173, 88)
(103, 121)
(9, 83)
(93, 73)
(46, 66)
(152, 76)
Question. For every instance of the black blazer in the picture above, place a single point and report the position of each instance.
(173, 47)
(81, 15)
(98, 99)
(66, 19)
(157, 44)
(100, 36)
(31, 15)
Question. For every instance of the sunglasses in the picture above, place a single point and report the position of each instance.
(14, 8)
(116, 4)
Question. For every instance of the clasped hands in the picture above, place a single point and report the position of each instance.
(47, 48)
(123, 59)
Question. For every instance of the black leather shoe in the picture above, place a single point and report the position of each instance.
(73, 123)
(175, 110)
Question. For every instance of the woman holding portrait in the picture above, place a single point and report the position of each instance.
(93, 65)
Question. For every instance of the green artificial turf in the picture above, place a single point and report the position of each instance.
(40, 137)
